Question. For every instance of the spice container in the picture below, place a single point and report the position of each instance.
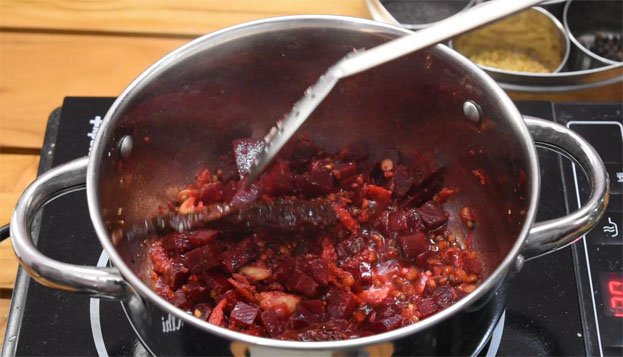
(596, 29)
(569, 77)
(532, 41)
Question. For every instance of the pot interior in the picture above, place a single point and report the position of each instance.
(184, 113)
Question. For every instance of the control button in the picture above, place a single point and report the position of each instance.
(615, 171)
(607, 231)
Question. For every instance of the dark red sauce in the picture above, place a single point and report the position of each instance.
(383, 258)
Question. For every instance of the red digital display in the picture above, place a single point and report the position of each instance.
(612, 288)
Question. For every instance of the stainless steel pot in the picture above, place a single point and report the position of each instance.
(235, 83)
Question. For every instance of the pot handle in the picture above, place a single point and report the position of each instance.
(548, 236)
(100, 282)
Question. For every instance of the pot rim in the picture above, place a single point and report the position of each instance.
(302, 21)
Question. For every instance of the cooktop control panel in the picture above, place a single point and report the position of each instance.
(599, 256)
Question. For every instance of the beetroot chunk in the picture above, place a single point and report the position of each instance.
(196, 291)
(314, 306)
(403, 180)
(302, 283)
(175, 274)
(245, 152)
(316, 182)
(244, 314)
(302, 317)
(180, 300)
(386, 316)
(278, 180)
(427, 306)
(413, 245)
(218, 283)
(432, 216)
(202, 237)
(397, 221)
(202, 259)
(340, 304)
(473, 266)
(271, 322)
(444, 296)
(350, 247)
(177, 243)
(238, 255)
(318, 269)
(345, 170)
(211, 192)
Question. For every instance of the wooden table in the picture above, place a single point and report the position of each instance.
(50, 49)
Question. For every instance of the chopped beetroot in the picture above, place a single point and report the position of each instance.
(362, 273)
(345, 170)
(350, 247)
(196, 291)
(397, 221)
(216, 282)
(244, 314)
(238, 255)
(202, 311)
(473, 266)
(302, 283)
(403, 180)
(316, 268)
(422, 260)
(323, 246)
(424, 166)
(314, 306)
(175, 274)
(427, 306)
(278, 180)
(180, 300)
(202, 237)
(340, 304)
(415, 221)
(177, 242)
(229, 190)
(271, 322)
(302, 317)
(202, 259)
(432, 215)
(325, 331)
(444, 296)
(386, 316)
(413, 245)
(315, 182)
(211, 192)
(245, 195)
(283, 270)
(245, 152)
(356, 286)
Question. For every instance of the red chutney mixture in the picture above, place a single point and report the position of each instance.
(387, 262)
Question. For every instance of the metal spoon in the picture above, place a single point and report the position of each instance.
(361, 60)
